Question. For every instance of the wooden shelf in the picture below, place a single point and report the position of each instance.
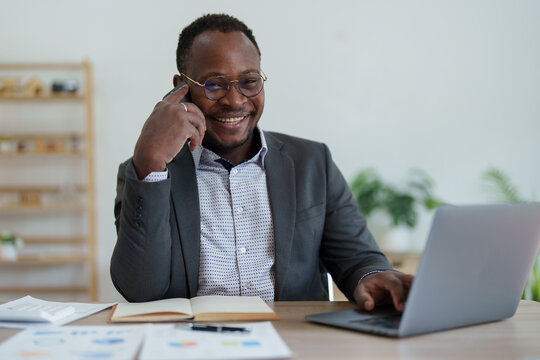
(49, 208)
(53, 239)
(43, 289)
(43, 66)
(40, 189)
(44, 259)
(42, 154)
(45, 97)
(26, 205)
(45, 136)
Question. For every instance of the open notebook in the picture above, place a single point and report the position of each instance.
(201, 308)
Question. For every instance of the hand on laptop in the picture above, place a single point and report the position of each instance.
(383, 288)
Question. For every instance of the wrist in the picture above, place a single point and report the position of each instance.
(143, 166)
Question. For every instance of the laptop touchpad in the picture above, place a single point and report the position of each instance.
(389, 322)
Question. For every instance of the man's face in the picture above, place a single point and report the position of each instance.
(230, 121)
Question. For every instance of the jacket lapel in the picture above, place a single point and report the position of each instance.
(185, 201)
(282, 191)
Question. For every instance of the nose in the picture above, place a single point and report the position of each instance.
(234, 98)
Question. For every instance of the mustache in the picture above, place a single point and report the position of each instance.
(227, 111)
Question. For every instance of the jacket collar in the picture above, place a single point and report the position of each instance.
(280, 177)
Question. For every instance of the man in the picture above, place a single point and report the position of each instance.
(211, 204)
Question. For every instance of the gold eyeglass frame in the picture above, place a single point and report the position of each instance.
(261, 74)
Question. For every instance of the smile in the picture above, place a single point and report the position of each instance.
(231, 120)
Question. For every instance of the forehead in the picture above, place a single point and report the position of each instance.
(222, 53)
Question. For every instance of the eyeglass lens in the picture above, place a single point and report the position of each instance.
(217, 87)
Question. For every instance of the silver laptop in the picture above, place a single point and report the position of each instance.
(473, 270)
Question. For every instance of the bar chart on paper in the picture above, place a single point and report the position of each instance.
(177, 342)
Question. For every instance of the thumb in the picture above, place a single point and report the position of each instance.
(364, 299)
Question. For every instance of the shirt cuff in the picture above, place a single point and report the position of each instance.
(369, 273)
(157, 176)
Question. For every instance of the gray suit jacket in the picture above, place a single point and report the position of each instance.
(317, 227)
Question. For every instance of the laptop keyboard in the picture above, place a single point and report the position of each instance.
(389, 322)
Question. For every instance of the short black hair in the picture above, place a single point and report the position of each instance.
(220, 22)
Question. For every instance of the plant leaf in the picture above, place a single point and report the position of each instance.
(501, 183)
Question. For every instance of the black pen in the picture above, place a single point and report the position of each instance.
(216, 328)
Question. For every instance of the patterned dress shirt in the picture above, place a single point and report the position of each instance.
(237, 232)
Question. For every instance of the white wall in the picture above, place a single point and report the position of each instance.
(448, 87)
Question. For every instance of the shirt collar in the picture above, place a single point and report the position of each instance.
(258, 158)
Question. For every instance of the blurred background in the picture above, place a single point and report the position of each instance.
(448, 88)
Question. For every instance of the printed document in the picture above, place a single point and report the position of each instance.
(75, 342)
(62, 313)
(179, 342)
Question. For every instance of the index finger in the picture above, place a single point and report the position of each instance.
(177, 94)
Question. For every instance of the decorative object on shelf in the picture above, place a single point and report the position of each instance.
(393, 211)
(7, 145)
(40, 144)
(9, 85)
(34, 87)
(498, 182)
(26, 146)
(30, 197)
(73, 144)
(65, 86)
(9, 245)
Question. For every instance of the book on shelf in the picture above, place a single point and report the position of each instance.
(200, 308)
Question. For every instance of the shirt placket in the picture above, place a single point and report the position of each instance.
(236, 178)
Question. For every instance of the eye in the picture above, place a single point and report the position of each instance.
(250, 82)
(215, 84)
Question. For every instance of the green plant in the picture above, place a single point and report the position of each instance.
(7, 237)
(500, 183)
(371, 194)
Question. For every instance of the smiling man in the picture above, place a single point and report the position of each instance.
(211, 204)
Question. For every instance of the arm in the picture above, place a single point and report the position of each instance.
(350, 252)
(141, 261)
(140, 264)
(348, 249)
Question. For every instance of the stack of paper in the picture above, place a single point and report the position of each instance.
(29, 311)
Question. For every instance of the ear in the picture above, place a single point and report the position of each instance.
(176, 80)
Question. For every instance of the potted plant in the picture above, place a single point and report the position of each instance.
(499, 182)
(9, 244)
(393, 211)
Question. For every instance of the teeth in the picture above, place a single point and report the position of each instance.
(230, 120)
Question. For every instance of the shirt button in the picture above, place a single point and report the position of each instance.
(234, 171)
(240, 209)
(243, 250)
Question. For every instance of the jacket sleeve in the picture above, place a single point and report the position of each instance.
(141, 260)
(348, 250)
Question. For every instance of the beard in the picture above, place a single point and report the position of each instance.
(211, 143)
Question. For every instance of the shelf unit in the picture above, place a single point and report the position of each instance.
(34, 207)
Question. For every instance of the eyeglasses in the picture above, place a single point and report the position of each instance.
(216, 87)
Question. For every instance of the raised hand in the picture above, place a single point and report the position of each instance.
(165, 132)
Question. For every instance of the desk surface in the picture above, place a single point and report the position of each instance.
(514, 338)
